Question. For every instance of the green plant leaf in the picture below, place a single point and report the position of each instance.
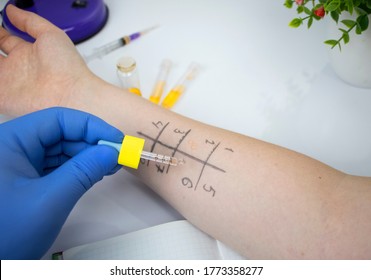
(358, 29)
(362, 21)
(332, 43)
(332, 6)
(317, 6)
(307, 11)
(346, 37)
(360, 11)
(296, 22)
(310, 21)
(348, 23)
(350, 6)
(288, 3)
(335, 16)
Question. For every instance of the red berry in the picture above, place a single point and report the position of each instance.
(320, 12)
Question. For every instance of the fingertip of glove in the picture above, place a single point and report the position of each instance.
(105, 154)
(93, 164)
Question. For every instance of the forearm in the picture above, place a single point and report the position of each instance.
(261, 199)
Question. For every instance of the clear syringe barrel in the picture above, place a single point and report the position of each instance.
(174, 94)
(103, 50)
(161, 158)
(159, 86)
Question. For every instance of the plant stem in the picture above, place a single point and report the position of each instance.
(342, 37)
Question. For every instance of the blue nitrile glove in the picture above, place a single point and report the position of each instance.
(48, 160)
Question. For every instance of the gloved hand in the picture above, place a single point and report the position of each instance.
(48, 160)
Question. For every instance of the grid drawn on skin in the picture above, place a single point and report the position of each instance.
(186, 181)
(156, 139)
(177, 147)
(159, 142)
(203, 167)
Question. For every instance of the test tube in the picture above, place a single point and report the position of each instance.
(174, 94)
(159, 86)
(128, 75)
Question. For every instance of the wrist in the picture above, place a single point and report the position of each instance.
(83, 93)
(100, 98)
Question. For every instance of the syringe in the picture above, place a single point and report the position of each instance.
(131, 151)
(110, 47)
(159, 86)
(174, 94)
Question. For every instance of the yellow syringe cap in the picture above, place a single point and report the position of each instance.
(130, 152)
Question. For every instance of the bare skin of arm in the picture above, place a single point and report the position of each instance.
(262, 200)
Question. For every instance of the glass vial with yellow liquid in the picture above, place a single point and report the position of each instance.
(174, 94)
(128, 74)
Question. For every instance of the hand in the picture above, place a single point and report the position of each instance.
(49, 159)
(40, 74)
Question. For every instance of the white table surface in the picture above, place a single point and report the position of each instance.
(259, 78)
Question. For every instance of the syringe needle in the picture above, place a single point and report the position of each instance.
(145, 31)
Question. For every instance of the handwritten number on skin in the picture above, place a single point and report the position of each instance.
(160, 168)
(211, 142)
(187, 182)
(179, 131)
(209, 189)
(158, 124)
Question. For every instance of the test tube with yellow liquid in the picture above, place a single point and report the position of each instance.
(128, 75)
(174, 94)
(159, 87)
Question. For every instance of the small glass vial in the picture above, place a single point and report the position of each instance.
(128, 74)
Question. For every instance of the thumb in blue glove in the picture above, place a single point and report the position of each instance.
(51, 160)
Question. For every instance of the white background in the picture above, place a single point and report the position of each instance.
(259, 78)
